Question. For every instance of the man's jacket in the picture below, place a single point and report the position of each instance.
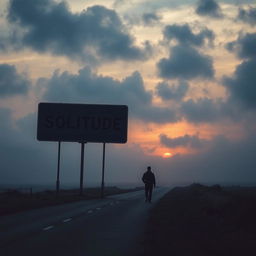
(149, 178)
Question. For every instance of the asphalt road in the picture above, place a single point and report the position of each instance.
(109, 227)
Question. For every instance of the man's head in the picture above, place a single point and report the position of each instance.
(149, 168)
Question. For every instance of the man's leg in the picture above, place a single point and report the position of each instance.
(146, 193)
(147, 189)
(150, 193)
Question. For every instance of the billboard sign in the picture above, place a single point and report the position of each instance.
(82, 122)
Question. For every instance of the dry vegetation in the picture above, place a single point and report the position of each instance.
(203, 221)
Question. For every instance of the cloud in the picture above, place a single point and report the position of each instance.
(95, 32)
(3, 43)
(247, 16)
(150, 18)
(242, 85)
(88, 87)
(207, 110)
(173, 92)
(244, 46)
(184, 35)
(184, 141)
(204, 110)
(11, 82)
(120, 3)
(186, 62)
(209, 8)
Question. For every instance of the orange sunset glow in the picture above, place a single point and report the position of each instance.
(167, 155)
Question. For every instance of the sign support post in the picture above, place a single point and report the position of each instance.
(58, 171)
(103, 170)
(82, 168)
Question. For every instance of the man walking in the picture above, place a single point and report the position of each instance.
(149, 180)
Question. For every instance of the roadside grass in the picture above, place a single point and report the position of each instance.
(203, 221)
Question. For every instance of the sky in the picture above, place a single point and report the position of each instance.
(185, 69)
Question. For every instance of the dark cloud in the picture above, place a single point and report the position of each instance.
(192, 141)
(51, 26)
(206, 110)
(88, 86)
(172, 92)
(242, 85)
(247, 16)
(184, 35)
(186, 63)
(3, 43)
(244, 46)
(11, 82)
(209, 8)
(91, 88)
(150, 18)
(203, 110)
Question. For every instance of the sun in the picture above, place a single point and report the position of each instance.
(167, 155)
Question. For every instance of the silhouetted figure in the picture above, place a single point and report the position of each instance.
(149, 180)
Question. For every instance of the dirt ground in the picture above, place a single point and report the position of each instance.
(203, 221)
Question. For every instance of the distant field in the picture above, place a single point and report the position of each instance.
(13, 201)
(203, 221)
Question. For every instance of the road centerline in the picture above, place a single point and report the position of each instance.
(48, 228)
(67, 220)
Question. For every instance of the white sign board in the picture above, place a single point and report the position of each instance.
(82, 122)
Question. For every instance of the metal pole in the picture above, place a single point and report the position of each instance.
(58, 171)
(82, 168)
(103, 171)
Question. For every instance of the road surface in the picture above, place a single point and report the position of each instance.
(107, 227)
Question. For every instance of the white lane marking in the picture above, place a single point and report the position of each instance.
(47, 228)
(67, 220)
(90, 211)
(98, 208)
